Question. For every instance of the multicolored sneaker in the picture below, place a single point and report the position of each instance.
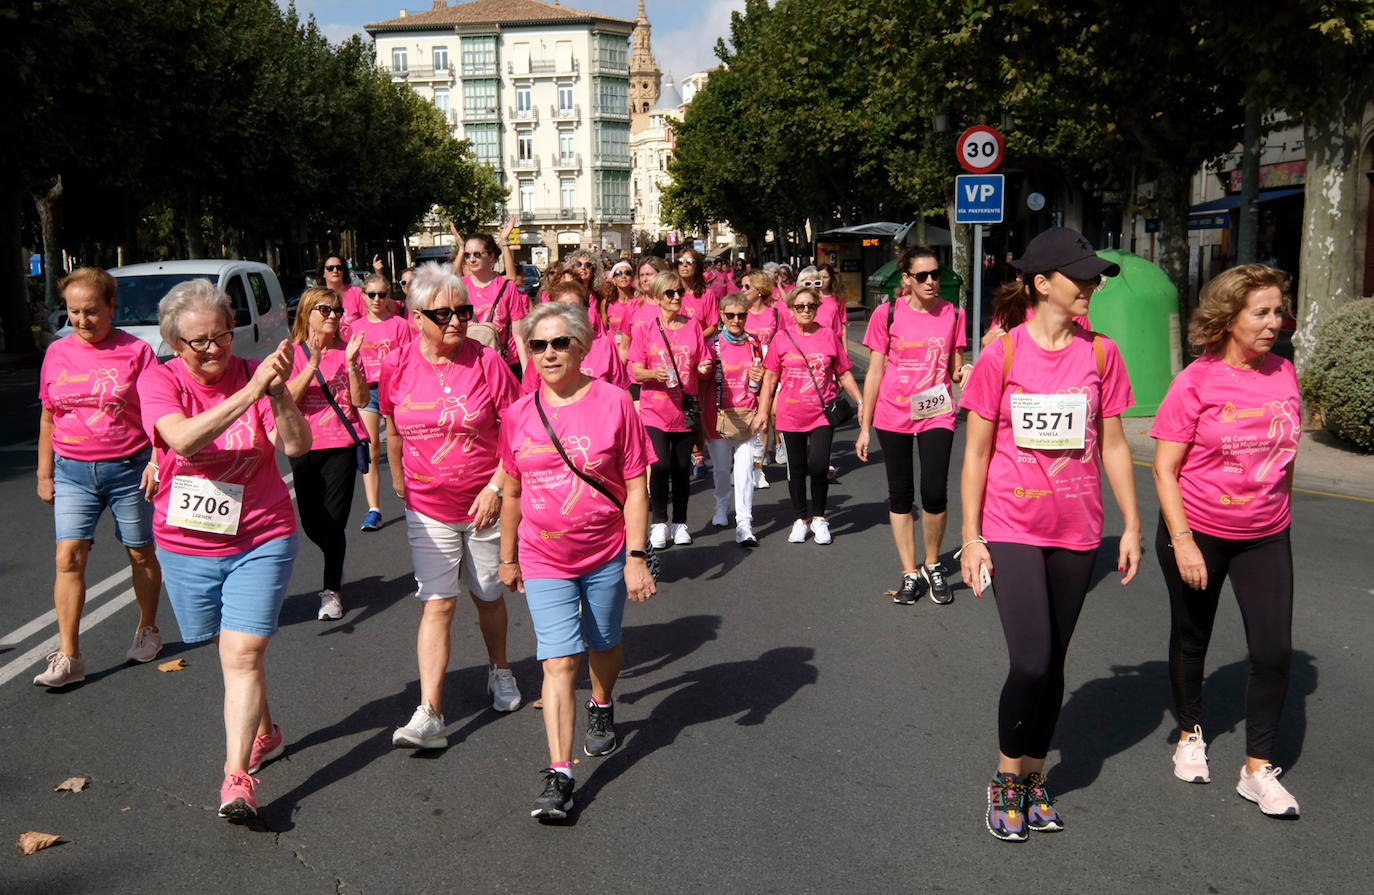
(1190, 758)
(236, 802)
(1264, 789)
(1040, 814)
(556, 800)
(1006, 816)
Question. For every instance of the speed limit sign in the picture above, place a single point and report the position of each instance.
(979, 149)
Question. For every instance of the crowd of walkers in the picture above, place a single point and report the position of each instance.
(545, 446)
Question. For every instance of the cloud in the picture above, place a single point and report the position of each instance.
(685, 47)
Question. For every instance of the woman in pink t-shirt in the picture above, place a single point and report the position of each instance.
(443, 397)
(325, 476)
(767, 315)
(1044, 412)
(1225, 439)
(917, 356)
(93, 453)
(729, 402)
(223, 521)
(616, 298)
(576, 499)
(699, 303)
(806, 368)
(383, 332)
(601, 359)
(834, 312)
(669, 358)
(334, 274)
(496, 300)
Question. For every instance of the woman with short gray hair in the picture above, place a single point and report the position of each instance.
(600, 356)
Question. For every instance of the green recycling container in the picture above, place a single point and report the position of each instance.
(1139, 311)
(884, 282)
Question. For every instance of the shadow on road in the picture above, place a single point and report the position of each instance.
(650, 648)
(362, 599)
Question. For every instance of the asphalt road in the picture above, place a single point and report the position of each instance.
(785, 728)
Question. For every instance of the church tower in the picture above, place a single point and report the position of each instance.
(645, 76)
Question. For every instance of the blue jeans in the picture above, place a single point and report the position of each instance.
(82, 489)
(239, 592)
(571, 614)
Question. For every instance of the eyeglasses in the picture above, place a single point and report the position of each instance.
(443, 316)
(473, 254)
(674, 293)
(376, 294)
(222, 341)
(559, 343)
(329, 310)
(921, 276)
(334, 267)
(735, 315)
(805, 306)
(583, 264)
(812, 284)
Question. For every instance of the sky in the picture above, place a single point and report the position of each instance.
(681, 47)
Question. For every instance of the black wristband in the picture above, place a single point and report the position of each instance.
(641, 554)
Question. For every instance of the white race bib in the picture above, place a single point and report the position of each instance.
(934, 401)
(203, 505)
(1049, 422)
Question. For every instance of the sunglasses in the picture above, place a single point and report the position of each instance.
(376, 294)
(443, 316)
(583, 264)
(814, 284)
(334, 267)
(729, 315)
(921, 276)
(805, 306)
(329, 310)
(621, 273)
(559, 343)
(222, 340)
(473, 254)
(687, 261)
(674, 293)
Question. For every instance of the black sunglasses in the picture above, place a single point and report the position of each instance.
(376, 294)
(735, 315)
(674, 293)
(442, 316)
(559, 343)
(805, 306)
(333, 267)
(329, 310)
(921, 276)
(621, 273)
(473, 254)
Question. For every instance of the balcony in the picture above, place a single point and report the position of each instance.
(546, 68)
(614, 217)
(560, 113)
(608, 160)
(488, 113)
(480, 69)
(556, 215)
(607, 67)
(567, 162)
(424, 73)
(530, 114)
(524, 165)
(615, 113)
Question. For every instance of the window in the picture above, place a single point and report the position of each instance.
(565, 98)
(261, 296)
(567, 193)
(524, 101)
(612, 143)
(527, 195)
(486, 143)
(239, 296)
(613, 52)
(613, 192)
(524, 146)
(479, 55)
(441, 100)
(398, 60)
(567, 146)
(440, 60)
(479, 99)
(612, 96)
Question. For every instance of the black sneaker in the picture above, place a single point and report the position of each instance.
(600, 730)
(910, 591)
(939, 585)
(555, 801)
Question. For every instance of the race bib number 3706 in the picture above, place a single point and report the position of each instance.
(203, 505)
(1049, 422)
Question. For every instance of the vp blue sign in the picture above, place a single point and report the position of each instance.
(978, 199)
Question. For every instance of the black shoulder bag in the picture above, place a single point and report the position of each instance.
(837, 410)
(361, 446)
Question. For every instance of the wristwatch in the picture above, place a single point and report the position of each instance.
(640, 554)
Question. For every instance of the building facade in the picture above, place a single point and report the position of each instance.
(542, 92)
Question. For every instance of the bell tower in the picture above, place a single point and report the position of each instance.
(645, 76)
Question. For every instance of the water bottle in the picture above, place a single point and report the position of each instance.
(757, 352)
(668, 365)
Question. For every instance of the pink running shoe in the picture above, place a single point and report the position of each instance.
(268, 747)
(236, 802)
(1264, 789)
(1190, 758)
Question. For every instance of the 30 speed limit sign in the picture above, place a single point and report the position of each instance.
(979, 149)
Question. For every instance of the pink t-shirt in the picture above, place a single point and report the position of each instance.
(449, 424)
(764, 324)
(701, 308)
(1047, 498)
(567, 527)
(617, 311)
(643, 312)
(500, 304)
(730, 379)
(326, 429)
(1242, 427)
(355, 306)
(380, 338)
(92, 394)
(832, 313)
(790, 355)
(241, 455)
(602, 362)
(662, 406)
(919, 346)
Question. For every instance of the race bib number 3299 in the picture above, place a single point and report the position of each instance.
(202, 505)
(1049, 422)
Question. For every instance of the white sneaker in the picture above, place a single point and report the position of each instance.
(147, 644)
(780, 453)
(798, 534)
(744, 535)
(425, 730)
(820, 529)
(760, 480)
(658, 535)
(1264, 789)
(721, 519)
(331, 607)
(1190, 758)
(504, 692)
(681, 536)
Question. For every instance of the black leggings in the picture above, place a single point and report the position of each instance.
(672, 469)
(813, 449)
(324, 493)
(1261, 572)
(934, 446)
(1039, 592)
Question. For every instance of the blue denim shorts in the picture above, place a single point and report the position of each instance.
(373, 404)
(570, 614)
(82, 489)
(239, 592)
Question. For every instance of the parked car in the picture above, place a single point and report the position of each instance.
(530, 274)
(259, 309)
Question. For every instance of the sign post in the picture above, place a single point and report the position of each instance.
(978, 200)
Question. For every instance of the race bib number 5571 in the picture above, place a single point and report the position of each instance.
(203, 505)
(1049, 422)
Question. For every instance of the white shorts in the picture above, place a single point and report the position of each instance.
(450, 558)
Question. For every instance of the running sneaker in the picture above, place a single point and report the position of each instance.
(681, 536)
(504, 692)
(910, 591)
(373, 520)
(721, 519)
(1041, 817)
(331, 607)
(63, 670)
(780, 453)
(266, 747)
(555, 801)
(658, 535)
(798, 534)
(236, 802)
(147, 644)
(1264, 789)
(760, 480)
(600, 730)
(1190, 758)
(820, 531)
(1006, 817)
(744, 535)
(832, 475)
(425, 730)
(939, 584)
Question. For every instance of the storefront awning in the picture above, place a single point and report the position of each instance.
(1232, 201)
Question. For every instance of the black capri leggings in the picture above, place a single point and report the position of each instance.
(324, 493)
(1039, 592)
(808, 456)
(1261, 572)
(935, 446)
(672, 470)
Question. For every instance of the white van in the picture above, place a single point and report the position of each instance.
(259, 307)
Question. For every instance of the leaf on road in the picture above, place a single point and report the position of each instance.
(72, 784)
(174, 665)
(31, 842)
(889, 593)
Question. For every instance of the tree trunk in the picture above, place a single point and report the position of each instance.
(1247, 239)
(195, 231)
(49, 208)
(14, 290)
(1327, 275)
(961, 251)
(1171, 192)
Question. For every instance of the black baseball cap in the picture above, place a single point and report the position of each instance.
(1066, 251)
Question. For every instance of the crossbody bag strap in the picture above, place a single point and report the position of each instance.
(671, 359)
(329, 396)
(558, 446)
(814, 384)
(720, 373)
